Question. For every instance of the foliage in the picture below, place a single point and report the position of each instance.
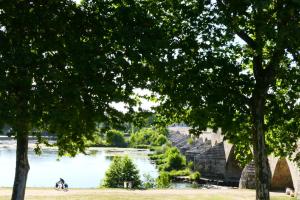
(195, 176)
(235, 65)
(96, 142)
(62, 66)
(163, 180)
(160, 140)
(113, 177)
(183, 172)
(157, 156)
(174, 160)
(148, 136)
(115, 138)
(148, 182)
(190, 165)
(120, 170)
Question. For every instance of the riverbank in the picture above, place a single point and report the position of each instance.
(81, 171)
(119, 194)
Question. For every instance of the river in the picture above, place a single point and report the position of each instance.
(82, 171)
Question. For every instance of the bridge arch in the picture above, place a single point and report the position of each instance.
(282, 176)
(232, 169)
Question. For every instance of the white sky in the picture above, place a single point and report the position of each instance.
(145, 104)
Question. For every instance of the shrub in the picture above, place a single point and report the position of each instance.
(158, 149)
(174, 160)
(142, 137)
(113, 177)
(156, 156)
(121, 170)
(162, 131)
(163, 180)
(191, 165)
(115, 138)
(171, 150)
(149, 182)
(195, 176)
(160, 140)
(184, 172)
(147, 136)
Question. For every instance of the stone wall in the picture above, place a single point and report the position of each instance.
(247, 180)
(214, 159)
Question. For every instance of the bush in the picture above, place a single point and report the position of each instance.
(121, 170)
(160, 140)
(142, 137)
(149, 182)
(113, 178)
(96, 142)
(171, 150)
(163, 180)
(185, 172)
(195, 176)
(174, 160)
(147, 136)
(162, 131)
(191, 165)
(115, 138)
(156, 156)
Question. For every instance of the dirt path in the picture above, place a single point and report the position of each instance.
(242, 194)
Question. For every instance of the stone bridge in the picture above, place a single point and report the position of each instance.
(214, 159)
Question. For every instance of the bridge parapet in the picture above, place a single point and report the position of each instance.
(214, 157)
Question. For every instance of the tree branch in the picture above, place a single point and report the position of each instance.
(242, 34)
(278, 53)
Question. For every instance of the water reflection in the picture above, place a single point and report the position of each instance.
(82, 171)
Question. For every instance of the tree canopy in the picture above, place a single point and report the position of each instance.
(223, 63)
(62, 66)
(122, 170)
(235, 65)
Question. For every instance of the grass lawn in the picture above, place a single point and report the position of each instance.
(117, 194)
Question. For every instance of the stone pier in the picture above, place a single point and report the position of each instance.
(214, 158)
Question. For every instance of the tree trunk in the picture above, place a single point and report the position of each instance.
(262, 169)
(22, 167)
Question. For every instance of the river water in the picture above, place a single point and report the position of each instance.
(82, 171)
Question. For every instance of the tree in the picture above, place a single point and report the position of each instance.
(121, 170)
(34, 77)
(113, 176)
(115, 138)
(148, 136)
(61, 67)
(235, 65)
